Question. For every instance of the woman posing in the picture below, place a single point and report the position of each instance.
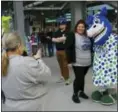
(78, 50)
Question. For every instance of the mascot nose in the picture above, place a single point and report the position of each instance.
(89, 34)
(94, 26)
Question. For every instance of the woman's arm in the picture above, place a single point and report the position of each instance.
(70, 40)
(37, 70)
(70, 48)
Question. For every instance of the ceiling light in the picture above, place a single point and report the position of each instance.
(33, 4)
(42, 13)
(116, 11)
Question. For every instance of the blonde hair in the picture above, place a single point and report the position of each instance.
(10, 41)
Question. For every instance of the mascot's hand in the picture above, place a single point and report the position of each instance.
(38, 54)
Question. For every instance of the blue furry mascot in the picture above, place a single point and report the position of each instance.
(105, 63)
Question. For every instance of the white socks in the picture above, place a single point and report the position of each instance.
(112, 90)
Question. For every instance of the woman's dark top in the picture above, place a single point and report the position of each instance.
(70, 47)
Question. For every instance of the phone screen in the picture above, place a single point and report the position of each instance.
(35, 48)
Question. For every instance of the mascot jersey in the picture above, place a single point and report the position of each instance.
(105, 62)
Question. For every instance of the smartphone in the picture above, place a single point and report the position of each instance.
(36, 47)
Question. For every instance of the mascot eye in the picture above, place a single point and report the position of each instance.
(97, 21)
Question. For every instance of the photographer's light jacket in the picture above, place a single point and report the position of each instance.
(25, 82)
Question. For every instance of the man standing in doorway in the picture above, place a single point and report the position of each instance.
(59, 39)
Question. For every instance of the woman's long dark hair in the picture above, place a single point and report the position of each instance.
(81, 22)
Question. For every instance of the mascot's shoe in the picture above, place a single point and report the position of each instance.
(96, 96)
(107, 100)
(115, 96)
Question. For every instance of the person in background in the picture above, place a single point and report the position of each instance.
(78, 50)
(50, 43)
(59, 38)
(33, 35)
(25, 86)
(44, 42)
(39, 37)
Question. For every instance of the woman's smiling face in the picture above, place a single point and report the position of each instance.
(80, 28)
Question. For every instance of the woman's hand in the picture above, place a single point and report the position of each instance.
(38, 54)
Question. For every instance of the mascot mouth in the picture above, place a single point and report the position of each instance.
(100, 32)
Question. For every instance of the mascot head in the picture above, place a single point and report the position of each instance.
(99, 27)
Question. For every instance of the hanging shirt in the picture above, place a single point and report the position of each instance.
(6, 23)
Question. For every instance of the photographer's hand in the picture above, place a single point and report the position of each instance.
(38, 54)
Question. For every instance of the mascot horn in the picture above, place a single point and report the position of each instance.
(105, 63)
